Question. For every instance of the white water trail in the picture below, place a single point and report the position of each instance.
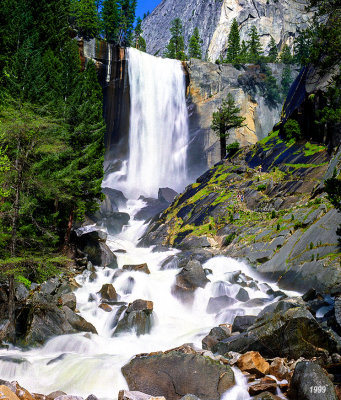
(158, 132)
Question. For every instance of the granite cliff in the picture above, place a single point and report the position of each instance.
(280, 19)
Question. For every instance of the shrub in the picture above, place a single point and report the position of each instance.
(261, 187)
(273, 214)
(292, 130)
(232, 148)
(228, 240)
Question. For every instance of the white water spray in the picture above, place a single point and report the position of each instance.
(158, 132)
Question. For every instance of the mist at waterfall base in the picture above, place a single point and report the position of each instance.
(81, 364)
(158, 128)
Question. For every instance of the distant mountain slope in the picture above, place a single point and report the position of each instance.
(281, 19)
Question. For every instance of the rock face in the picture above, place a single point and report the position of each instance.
(266, 205)
(209, 85)
(280, 19)
(176, 373)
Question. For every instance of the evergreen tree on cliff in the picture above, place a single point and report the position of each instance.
(139, 42)
(110, 20)
(233, 48)
(176, 46)
(255, 49)
(273, 51)
(226, 118)
(194, 47)
(86, 18)
(286, 56)
(126, 21)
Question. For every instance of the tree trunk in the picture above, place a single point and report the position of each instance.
(68, 231)
(222, 147)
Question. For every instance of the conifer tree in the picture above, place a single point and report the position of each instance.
(233, 48)
(176, 46)
(286, 80)
(126, 21)
(286, 56)
(302, 47)
(243, 54)
(194, 47)
(86, 18)
(273, 51)
(255, 50)
(139, 42)
(110, 20)
(226, 118)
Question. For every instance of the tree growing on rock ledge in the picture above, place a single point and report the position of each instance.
(176, 45)
(226, 118)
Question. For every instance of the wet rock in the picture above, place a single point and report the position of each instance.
(190, 397)
(216, 335)
(69, 300)
(140, 267)
(47, 320)
(285, 329)
(215, 304)
(50, 286)
(191, 276)
(167, 194)
(137, 317)
(115, 222)
(171, 262)
(279, 369)
(242, 322)
(68, 397)
(194, 242)
(253, 363)
(160, 249)
(256, 302)
(266, 396)
(175, 373)
(262, 387)
(56, 394)
(105, 307)
(91, 397)
(311, 294)
(7, 394)
(108, 293)
(21, 292)
(135, 395)
(152, 209)
(242, 295)
(117, 198)
(128, 286)
(308, 382)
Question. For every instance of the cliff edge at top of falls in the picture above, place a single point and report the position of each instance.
(276, 217)
(280, 19)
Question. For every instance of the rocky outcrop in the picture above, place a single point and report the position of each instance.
(266, 205)
(178, 372)
(209, 85)
(281, 20)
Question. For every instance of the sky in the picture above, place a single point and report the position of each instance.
(145, 5)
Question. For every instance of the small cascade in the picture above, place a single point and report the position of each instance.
(158, 132)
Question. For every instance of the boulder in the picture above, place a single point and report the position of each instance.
(134, 395)
(7, 394)
(140, 267)
(215, 304)
(175, 373)
(191, 276)
(115, 222)
(171, 262)
(153, 208)
(116, 197)
(262, 387)
(266, 396)
(47, 320)
(311, 382)
(216, 334)
(92, 242)
(193, 243)
(242, 295)
(166, 194)
(68, 397)
(56, 394)
(242, 322)
(279, 369)
(105, 307)
(21, 292)
(108, 293)
(284, 329)
(253, 363)
(69, 300)
(138, 317)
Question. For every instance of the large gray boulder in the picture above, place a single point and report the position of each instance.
(311, 382)
(284, 329)
(175, 373)
(138, 317)
(191, 277)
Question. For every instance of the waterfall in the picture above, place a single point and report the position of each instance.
(158, 132)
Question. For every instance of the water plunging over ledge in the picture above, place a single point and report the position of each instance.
(158, 132)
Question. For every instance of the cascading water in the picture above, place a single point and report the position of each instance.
(158, 132)
(81, 364)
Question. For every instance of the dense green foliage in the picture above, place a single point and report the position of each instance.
(139, 42)
(176, 46)
(226, 118)
(51, 138)
(255, 50)
(194, 46)
(232, 148)
(292, 130)
(86, 17)
(273, 51)
(286, 56)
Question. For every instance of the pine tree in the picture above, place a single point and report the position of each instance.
(233, 48)
(302, 48)
(110, 20)
(139, 42)
(86, 18)
(273, 51)
(226, 118)
(243, 54)
(176, 46)
(286, 80)
(286, 56)
(126, 21)
(255, 50)
(194, 47)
